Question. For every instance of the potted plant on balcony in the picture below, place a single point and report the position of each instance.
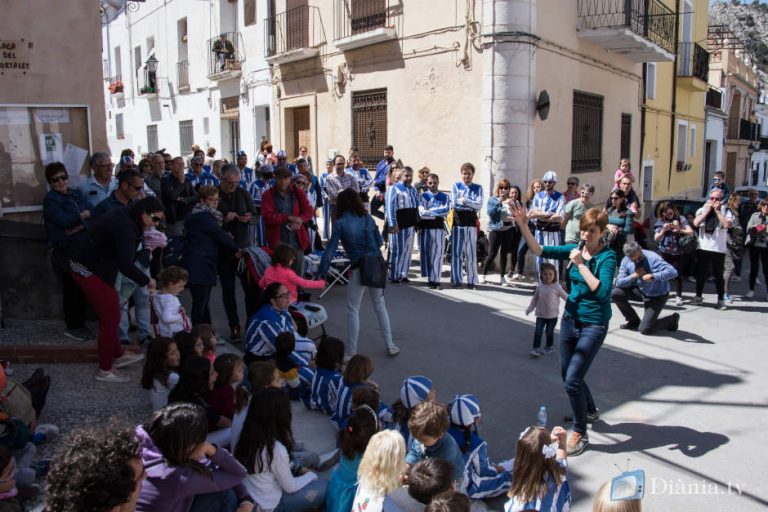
(116, 87)
(147, 90)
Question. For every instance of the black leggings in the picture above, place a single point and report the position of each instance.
(506, 241)
(718, 266)
(757, 256)
(678, 261)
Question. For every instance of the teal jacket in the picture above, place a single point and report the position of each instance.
(583, 304)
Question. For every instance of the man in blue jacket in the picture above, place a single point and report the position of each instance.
(644, 276)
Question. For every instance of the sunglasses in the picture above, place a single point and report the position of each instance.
(503, 188)
(156, 219)
(614, 198)
(715, 198)
(57, 179)
(572, 183)
(545, 182)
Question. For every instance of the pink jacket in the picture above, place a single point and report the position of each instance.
(288, 278)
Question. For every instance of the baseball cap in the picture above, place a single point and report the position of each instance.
(415, 390)
(550, 176)
(240, 153)
(464, 410)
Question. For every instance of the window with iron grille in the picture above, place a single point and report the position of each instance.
(152, 144)
(186, 137)
(587, 133)
(626, 136)
(369, 125)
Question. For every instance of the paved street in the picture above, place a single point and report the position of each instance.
(685, 408)
(689, 409)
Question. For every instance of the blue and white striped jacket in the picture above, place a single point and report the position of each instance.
(399, 196)
(364, 179)
(434, 205)
(465, 197)
(481, 478)
(556, 499)
(263, 328)
(205, 178)
(325, 390)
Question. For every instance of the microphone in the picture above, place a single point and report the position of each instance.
(582, 243)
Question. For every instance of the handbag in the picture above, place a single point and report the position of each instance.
(686, 244)
(373, 268)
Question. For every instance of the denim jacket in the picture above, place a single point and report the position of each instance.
(358, 235)
(62, 213)
(494, 210)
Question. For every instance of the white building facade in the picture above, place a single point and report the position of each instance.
(180, 72)
(759, 162)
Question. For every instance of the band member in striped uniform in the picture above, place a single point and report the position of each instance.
(326, 200)
(547, 211)
(257, 189)
(433, 207)
(467, 199)
(402, 205)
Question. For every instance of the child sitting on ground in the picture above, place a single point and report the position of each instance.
(227, 394)
(293, 368)
(539, 472)
(449, 501)
(281, 272)
(429, 427)
(380, 471)
(168, 316)
(483, 478)
(354, 438)
(261, 374)
(189, 345)
(207, 335)
(160, 375)
(356, 373)
(329, 362)
(546, 302)
(9, 501)
(414, 390)
(425, 480)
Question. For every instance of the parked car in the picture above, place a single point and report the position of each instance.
(684, 206)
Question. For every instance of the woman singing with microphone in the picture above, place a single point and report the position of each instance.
(587, 311)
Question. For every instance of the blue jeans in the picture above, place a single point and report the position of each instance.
(311, 496)
(541, 324)
(354, 297)
(579, 344)
(222, 501)
(140, 308)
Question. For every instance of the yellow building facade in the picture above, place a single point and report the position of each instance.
(674, 99)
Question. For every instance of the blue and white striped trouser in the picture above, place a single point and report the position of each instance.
(257, 232)
(401, 247)
(326, 219)
(431, 253)
(464, 252)
(547, 238)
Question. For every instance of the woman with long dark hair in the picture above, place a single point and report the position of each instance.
(113, 247)
(503, 234)
(197, 379)
(587, 311)
(620, 222)
(264, 449)
(355, 229)
(184, 471)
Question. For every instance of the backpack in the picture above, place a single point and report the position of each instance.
(174, 251)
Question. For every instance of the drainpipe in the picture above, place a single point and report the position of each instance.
(509, 91)
(673, 117)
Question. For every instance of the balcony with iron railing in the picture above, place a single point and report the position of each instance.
(359, 23)
(692, 66)
(640, 30)
(182, 75)
(714, 98)
(743, 129)
(226, 52)
(294, 35)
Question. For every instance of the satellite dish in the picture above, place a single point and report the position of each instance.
(542, 105)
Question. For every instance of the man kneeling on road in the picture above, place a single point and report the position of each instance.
(644, 276)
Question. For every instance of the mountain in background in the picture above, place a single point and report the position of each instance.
(749, 22)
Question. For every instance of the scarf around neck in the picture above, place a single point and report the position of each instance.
(202, 207)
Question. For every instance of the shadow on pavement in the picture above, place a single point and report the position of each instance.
(688, 441)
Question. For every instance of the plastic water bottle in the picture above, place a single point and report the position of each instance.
(541, 419)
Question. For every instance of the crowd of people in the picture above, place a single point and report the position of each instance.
(221, 435)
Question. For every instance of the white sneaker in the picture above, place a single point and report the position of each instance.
(509, 279)
(502, 282)
(749, 294)
(536, 352)
(112, 377)
(127, 359)
(481, 279)
(517, 277)
(679, 301)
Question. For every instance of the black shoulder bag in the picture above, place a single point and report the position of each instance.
(373, 268)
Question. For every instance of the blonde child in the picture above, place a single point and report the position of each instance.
(624, 171)
(603, 502)
(281, 272)
(539, 472)
(381, 468)
(160, 374)
(169, 316)
(546, 302)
